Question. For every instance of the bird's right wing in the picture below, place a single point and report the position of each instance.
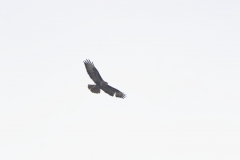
(93, 72)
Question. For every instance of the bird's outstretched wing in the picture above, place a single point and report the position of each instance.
(111, 91)
(92, 71)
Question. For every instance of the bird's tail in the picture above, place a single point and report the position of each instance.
(94, 88)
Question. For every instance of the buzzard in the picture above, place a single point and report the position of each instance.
(100, 83)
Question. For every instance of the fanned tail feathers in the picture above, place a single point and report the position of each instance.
(94, 88)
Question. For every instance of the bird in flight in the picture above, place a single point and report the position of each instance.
(100, 83)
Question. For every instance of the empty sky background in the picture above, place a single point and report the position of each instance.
(177, 61)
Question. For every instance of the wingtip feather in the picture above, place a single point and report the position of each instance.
(87, 61)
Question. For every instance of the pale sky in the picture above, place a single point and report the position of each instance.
(177, 61)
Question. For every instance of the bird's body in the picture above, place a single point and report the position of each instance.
(100, 83)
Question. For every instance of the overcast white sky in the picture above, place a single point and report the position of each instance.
(177, 61)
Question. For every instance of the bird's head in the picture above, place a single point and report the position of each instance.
(103, 83)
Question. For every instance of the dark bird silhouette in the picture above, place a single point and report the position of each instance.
(100, 83)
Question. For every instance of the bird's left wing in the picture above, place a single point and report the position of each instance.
(111, 91)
